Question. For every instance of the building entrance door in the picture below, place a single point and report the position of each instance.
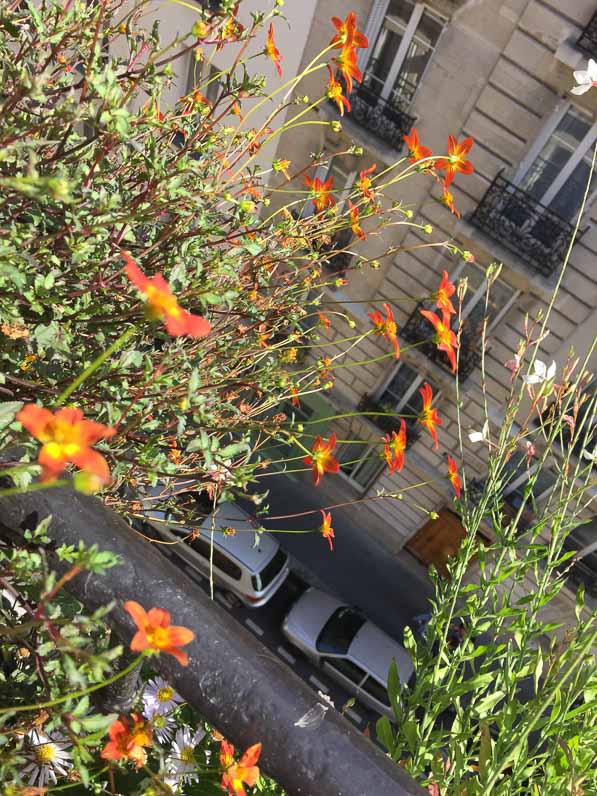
(438, 540)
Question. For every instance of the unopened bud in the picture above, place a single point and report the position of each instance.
(375, 264)
(200, 29)
(352, 323)
(433, 515)
(328, 385)
(247, 206)
(428, 229)
(336, 126)
(408, 213)
(462, 288)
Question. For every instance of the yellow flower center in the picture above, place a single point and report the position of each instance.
(45, 753)
(165, 694)
(187, 754)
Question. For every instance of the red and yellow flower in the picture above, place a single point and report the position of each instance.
(348, 36)
(163, 304)
(321, 192)
(127, 740)
(335, 92)
(347, 65)
(448, 201)
(416, 151)
(456, 160)
(323, 319)
(294, 400)
(321, 459)
(454, 477)
(326, 528)
(429, 417)
(387, 327)
(245, 772)
(154, 632)
(66, 437)
(353, 216)
(394, 448)
(272, 51)
(364, 183)
(444, 337)
(444, 291)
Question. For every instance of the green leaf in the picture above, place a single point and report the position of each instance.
(384, 731)
(97, 723)
(485, 747)
(230, 451)
(410, 730)
(538, 669)
(394, 686)
(8, 410)
(486, 705)
(580, 600)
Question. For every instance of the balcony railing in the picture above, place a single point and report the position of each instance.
(536, 234)
(587, 41)
(388, 423)
(386, 119)
(417, 328)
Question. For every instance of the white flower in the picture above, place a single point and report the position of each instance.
(542, 373)
(480, 436)
(181, 763)
(163, 727)
(159, 697)
(590, 455)
(585, 79)
(46, 756)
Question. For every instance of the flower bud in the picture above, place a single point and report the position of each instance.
(427, 229)
(408, 213)
(433, 515)
(375, 264)
(336, 126)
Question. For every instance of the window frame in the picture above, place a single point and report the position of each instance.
(582, 151)
(375, 23)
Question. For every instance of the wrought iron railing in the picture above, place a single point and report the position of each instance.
(387, 119)
(536, 234)
(388, 422)
(418, 329)
(587, 41)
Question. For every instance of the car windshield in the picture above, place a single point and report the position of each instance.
(339, 631)
(270, 571)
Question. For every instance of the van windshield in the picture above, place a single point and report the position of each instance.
(270, 571)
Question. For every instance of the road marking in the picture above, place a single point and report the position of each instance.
(283, 653)
(356, 717)
(254, 627)
(318, 684)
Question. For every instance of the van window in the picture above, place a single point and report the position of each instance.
(270, 571)
(376, 690)
(339, 631)
(221, 561)
(346, 668)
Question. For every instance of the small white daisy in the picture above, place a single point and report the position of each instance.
(46, 756)
(163, 727)
(181, 763)
(159, 697)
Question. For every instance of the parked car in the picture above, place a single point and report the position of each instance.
(252, 570)
(350, 648)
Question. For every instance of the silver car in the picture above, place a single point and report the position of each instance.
(349, 647)
(252, 570)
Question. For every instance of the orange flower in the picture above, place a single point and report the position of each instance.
(456, 160)
(334, 91)
(235, 774)
(364, 183)
(348, 36)
(387, 327)
(321, 192)
(429, 416)
(346, 62)
(448, 200)
(272, 51)
(163, 304)
(326, 528)
(321, 459)
(416, 152)
(353, 215)
(66, 437)
(127, 740)
(263, 335)
(156, 633)
(394, 448)
(453, 476)
(323, 319)
(442, 297)
(295, 400)
(444, 337)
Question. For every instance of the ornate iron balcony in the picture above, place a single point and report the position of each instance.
(417, 328)
(389, 423)
(386, 119)
(536, 234)
(587, 41)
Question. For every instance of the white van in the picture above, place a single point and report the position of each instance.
(253, 572)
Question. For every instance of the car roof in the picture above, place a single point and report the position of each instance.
(310, 613)
(373, 649)
(241, 545)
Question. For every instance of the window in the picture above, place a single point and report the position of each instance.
(360, 462)
(584, 570)
(220, 561)
(518, 470)
(557, 168)
(404, 42)
(376, 690)
(270, 571)
(401, 394)
(339, 631)
(346, 668)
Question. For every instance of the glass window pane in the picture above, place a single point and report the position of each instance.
(339, 631)
(399, 385)
(347, 668)
(419, 53)
(376, 690)
(568, 200)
